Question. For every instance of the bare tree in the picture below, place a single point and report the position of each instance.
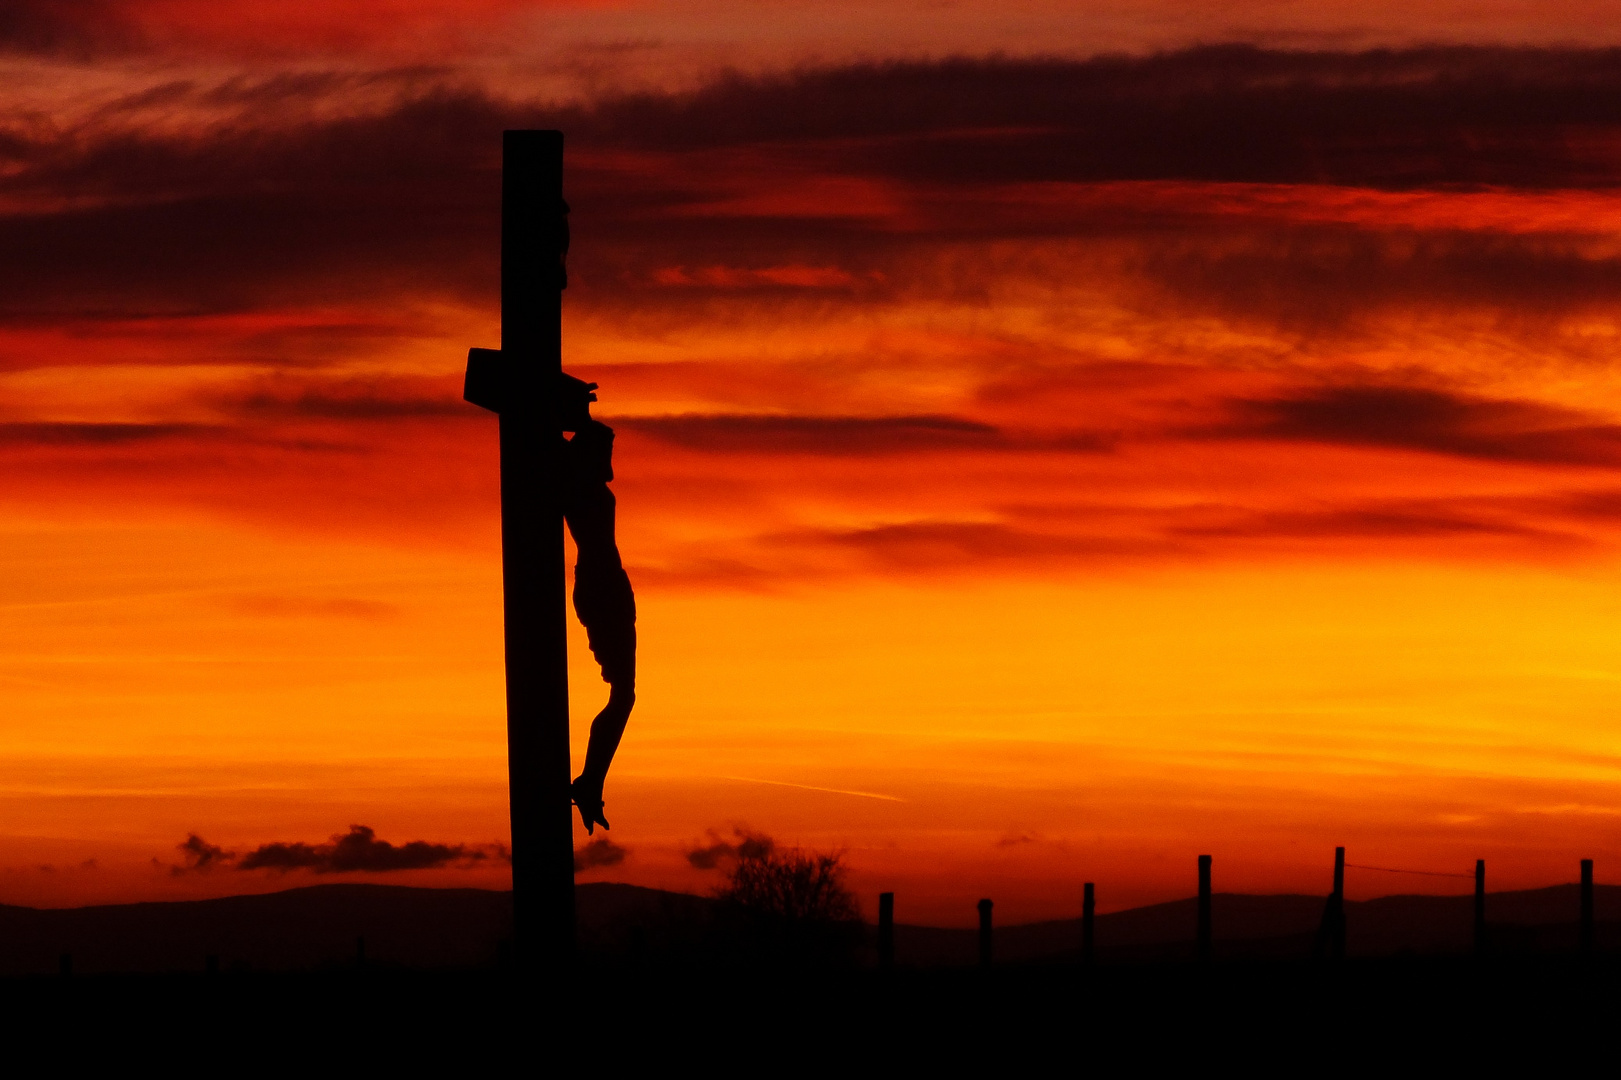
(791, 903)
(794, 885)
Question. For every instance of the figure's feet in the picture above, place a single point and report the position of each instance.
(588, 797)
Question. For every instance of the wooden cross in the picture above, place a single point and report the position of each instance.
(520, 383)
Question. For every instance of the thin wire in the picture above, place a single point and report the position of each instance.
(1393, 870)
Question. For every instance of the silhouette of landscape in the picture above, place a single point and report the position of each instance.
(318, 928)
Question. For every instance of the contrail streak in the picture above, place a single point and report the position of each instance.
(813, 787)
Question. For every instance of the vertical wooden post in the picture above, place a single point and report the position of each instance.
(1587, 906)
(1480, 907)
(1203, 940)
(1336, 943)
(533, 233)
(886, 930)
(1088, 905)
(985, 933)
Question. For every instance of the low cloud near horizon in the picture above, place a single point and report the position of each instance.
(358, 850)
(745, 843)
(599, 853)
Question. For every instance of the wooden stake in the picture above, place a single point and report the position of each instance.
(1336, 941)
(886, 930)
(1587, 906)
(1480, 907)
(1087, 919)
(1203, 940)
(985, 933)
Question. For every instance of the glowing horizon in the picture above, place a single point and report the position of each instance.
(1033, 469)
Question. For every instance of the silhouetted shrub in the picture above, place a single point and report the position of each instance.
(794, 885)
(788, 905)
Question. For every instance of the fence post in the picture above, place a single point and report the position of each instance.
(886, 930)
(1337, 939)
(1480, 907)
(1203, 942)
(1331, 932)
(64, 965)
(1086, 923)
(1587, 906)
(985, 933)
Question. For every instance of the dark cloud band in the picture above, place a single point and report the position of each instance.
(357, 851)
(1432, 421)
(240, 215)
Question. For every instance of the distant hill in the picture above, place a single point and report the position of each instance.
(297, 929)
(320, 927)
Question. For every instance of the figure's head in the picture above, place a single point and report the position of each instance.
(574, 398)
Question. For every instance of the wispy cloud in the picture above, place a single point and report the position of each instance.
(745, 842)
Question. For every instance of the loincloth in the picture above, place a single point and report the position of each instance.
(607, 607)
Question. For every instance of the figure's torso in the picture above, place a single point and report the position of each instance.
(588, 504)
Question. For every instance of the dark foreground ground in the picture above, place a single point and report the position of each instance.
(365, 977)
(1389, 1015)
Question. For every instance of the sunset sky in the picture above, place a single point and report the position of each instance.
(1056, 440)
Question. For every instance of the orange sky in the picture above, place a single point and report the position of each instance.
(1033, 469)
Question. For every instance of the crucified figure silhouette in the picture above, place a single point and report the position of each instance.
(602, 595)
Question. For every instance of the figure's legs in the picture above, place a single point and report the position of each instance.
(606, 732)
(607, 607)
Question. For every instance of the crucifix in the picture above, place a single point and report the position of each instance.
(521, 382)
